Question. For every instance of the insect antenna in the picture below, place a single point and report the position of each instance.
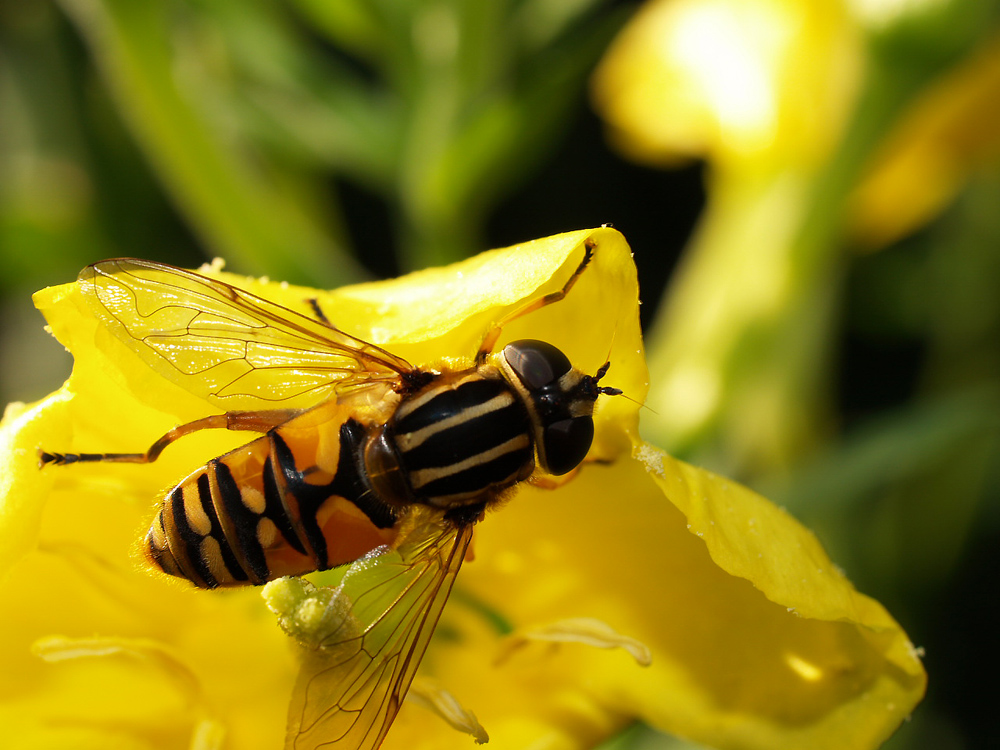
(609, 391)
(602, 371)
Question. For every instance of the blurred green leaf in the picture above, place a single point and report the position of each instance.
(351, 24)
(241, 210)
(889, 450)
(901, 497)
(306, 108)
(542, 22)
(496, 146)
(641, 737)
(47, 196)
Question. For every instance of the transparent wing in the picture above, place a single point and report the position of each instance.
(378, 623)
(223, 343)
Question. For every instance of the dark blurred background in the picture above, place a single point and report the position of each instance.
(811, 190)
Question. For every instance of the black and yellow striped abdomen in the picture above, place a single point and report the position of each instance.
(290, 502)
(334, 483)
(328, 486)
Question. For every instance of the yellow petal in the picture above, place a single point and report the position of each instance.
(756, 639)
(69, 534)
(55, 649)
(21, 432)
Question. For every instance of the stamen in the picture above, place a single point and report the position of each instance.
(158, 656)
(585, 630)
(208, 734)
(433, 697)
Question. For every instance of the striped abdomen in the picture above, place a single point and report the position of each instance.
(290, 502)
(461, 438)
(326, 487)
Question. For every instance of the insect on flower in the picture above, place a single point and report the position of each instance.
(387, 462)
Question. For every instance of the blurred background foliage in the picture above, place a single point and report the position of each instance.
(811, 188)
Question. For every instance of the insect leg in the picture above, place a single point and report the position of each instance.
(253, 421)
(546, 482)
(313, 303)
(490, 339)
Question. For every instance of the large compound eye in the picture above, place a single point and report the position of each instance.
(536, 363)
(567, 443)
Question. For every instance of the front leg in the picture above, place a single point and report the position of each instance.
(549, 482)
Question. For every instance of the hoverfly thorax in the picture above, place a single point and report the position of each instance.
(560, 401)
(469, 435)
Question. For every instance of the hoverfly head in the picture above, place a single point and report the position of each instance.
(560, 401)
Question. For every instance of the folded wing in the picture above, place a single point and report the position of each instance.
(225, 344)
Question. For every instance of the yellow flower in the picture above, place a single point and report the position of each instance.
(750, 84)
(756, 639)
(762, 90)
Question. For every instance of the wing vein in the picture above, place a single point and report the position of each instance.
(227, 345)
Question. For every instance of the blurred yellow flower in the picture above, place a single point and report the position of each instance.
(787, 101)
(762, 90)
(755, 83)
(756, 640)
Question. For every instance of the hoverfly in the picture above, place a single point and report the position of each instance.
(390, 461)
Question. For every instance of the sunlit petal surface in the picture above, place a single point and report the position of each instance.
(756, 639)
